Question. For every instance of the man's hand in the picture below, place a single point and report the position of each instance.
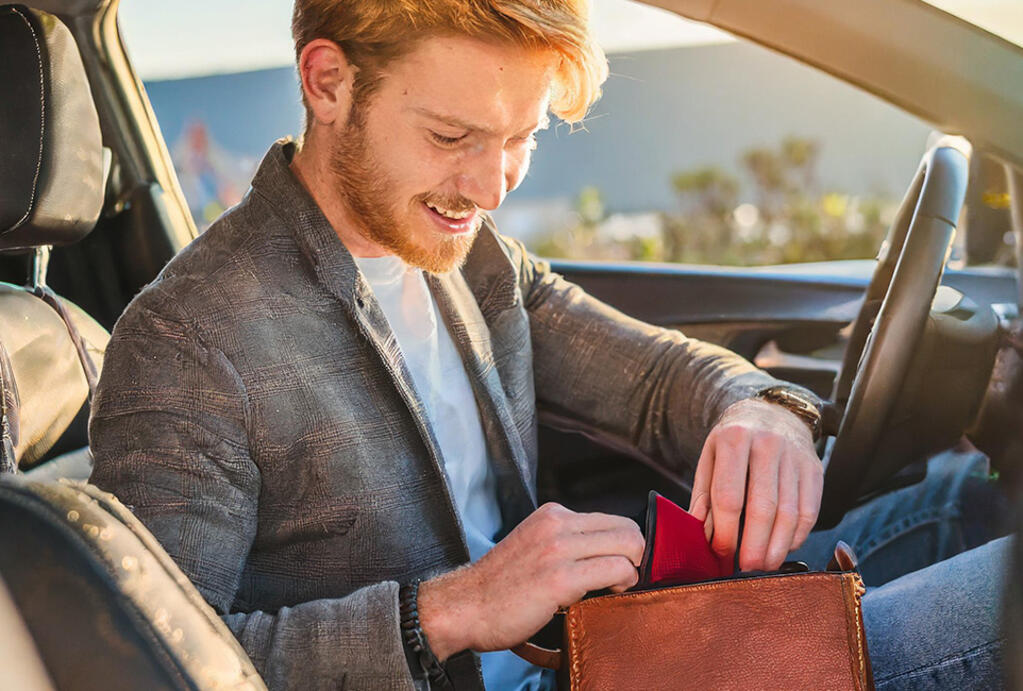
(760, 456)
(550, 560)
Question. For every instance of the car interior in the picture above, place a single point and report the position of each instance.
(90, 211)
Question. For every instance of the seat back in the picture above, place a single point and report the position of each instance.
(103, 602)
(46, 384)
(52, 185)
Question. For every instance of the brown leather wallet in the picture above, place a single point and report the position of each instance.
(766, 631)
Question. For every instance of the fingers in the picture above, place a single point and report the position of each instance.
(787, 517)
(564, 534)
(595, 522)
(708, 527)
(811, 486)
(625, 542)
(761, 501)
(597, 573)
(760, 455)
(559, 518)
(728, 487)
(699, 502)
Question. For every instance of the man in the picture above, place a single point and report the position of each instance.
(325, 407)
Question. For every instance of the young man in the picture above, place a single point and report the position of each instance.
(325, 407)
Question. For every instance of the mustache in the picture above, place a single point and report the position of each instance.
(456, 204)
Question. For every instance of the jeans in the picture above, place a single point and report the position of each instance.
(935, 575)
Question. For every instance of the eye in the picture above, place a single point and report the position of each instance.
(443, 140)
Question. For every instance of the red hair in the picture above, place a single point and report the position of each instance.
(374, 32)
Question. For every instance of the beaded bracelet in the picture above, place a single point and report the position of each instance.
(414, 637)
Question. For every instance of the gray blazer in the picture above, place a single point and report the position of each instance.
(256, 413)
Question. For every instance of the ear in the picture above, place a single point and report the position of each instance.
(327, 80)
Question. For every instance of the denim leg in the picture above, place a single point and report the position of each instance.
(938, 628)
(955, 508)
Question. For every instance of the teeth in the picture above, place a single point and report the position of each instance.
(454, 215)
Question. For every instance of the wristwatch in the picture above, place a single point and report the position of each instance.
(808, 407)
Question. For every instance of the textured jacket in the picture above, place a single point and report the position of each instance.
(256, 413)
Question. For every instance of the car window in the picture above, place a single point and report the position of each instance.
(1001, 17)
(703, 150)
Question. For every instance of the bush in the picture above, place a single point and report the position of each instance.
(789, 218)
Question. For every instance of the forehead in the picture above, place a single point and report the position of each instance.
(498, 85)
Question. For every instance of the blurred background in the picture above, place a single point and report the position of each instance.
(703, 150)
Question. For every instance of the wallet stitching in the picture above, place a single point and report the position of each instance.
(859, 631)
(853, 663)
(573, 631)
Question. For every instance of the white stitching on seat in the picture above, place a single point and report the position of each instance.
(42, 127)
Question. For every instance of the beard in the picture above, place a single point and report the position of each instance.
(365, 188)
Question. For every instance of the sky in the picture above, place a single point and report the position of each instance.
(188, 38)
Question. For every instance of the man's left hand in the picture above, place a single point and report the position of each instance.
(759, 456)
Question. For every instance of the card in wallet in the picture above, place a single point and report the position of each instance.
(677, 550)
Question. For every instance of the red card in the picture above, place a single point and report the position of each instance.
(678, 551)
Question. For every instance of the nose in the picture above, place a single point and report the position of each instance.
(488, 177)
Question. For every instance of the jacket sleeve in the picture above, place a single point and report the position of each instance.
(615, 378)
(168, 432)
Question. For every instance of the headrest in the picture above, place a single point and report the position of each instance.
(51, 161)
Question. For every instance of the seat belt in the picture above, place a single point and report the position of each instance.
(9, 405)
(46, 294)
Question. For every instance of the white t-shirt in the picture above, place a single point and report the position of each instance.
(443, 386)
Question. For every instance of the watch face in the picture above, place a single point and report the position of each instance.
(798, 404)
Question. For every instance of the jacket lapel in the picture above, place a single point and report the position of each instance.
(458, 307)
(337, 272)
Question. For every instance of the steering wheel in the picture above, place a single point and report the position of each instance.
(891, 321)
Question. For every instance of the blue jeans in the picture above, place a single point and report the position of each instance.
(935, 576)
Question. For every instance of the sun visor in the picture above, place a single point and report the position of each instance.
(51, 166)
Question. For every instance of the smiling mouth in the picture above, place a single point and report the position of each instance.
(454, 222)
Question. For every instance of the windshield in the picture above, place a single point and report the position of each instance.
(1001, 17)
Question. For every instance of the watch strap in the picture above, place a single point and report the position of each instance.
(800, 402)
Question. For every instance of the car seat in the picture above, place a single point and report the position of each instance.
(83, 585)
(51, 192)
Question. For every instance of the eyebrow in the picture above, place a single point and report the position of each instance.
(543, 124)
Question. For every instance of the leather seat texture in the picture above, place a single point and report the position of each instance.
(105, 605)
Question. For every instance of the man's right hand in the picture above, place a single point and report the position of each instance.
(550, 560)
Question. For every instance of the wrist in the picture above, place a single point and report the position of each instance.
(801, 403)
(418, 651)
(441, 616)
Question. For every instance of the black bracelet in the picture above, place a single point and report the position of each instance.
(414, 638)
